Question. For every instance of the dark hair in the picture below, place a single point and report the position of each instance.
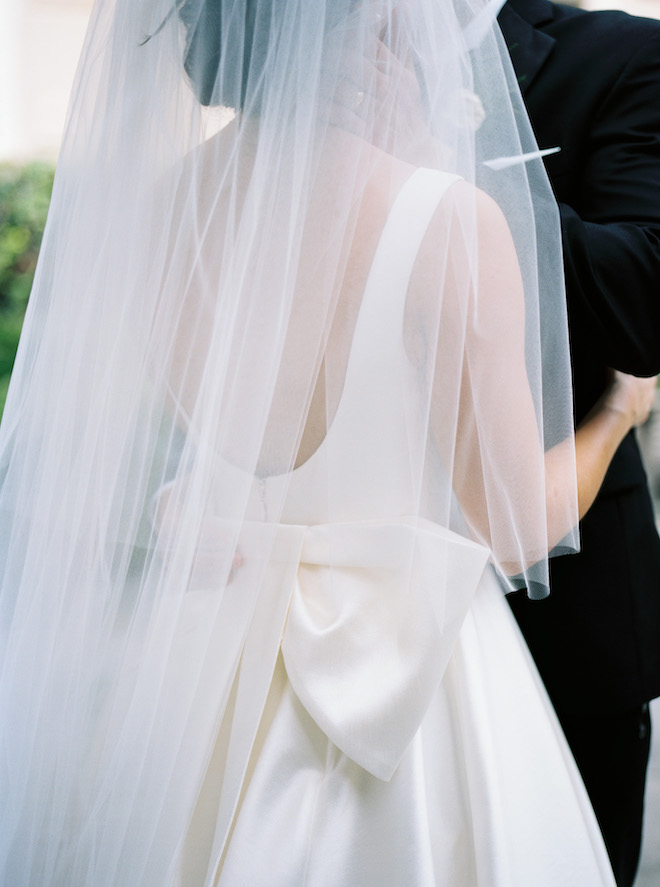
(214, 27)
(228, 43)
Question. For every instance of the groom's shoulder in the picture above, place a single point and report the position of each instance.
(596, 29)
(602, 30)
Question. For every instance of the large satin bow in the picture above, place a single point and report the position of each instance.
(375, 610)
(366, 615)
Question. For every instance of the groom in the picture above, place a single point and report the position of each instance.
(591, 82)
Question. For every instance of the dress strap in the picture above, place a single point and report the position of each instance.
(377, 358)
(383, 303)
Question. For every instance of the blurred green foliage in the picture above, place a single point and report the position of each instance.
(24, 199)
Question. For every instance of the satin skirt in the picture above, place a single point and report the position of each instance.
(485, 795)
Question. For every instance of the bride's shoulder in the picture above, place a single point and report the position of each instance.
(466, 198)
(459, 198)
(465, 218)
(466, 212)
(468, 239)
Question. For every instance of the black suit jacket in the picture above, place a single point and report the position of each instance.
(591, 83)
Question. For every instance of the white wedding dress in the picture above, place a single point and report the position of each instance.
(404, 738)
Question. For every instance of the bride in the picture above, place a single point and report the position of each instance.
(291, 412)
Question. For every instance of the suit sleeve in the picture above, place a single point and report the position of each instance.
(612, 253)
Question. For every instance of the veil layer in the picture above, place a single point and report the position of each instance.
(226, 176)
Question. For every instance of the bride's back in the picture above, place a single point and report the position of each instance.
(327, 275)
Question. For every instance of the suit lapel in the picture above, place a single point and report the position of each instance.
(529, 47)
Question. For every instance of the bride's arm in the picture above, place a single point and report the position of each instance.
(497, 456)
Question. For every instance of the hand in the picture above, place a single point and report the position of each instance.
(632, 396)
(378, 98)
(401, 127)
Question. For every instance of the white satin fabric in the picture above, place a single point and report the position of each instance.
(396, 734)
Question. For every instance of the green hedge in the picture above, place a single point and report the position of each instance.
(24, 198)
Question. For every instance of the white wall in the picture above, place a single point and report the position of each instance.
(649, 8)
(40, 42)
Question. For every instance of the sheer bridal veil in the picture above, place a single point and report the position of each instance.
(226, 174)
